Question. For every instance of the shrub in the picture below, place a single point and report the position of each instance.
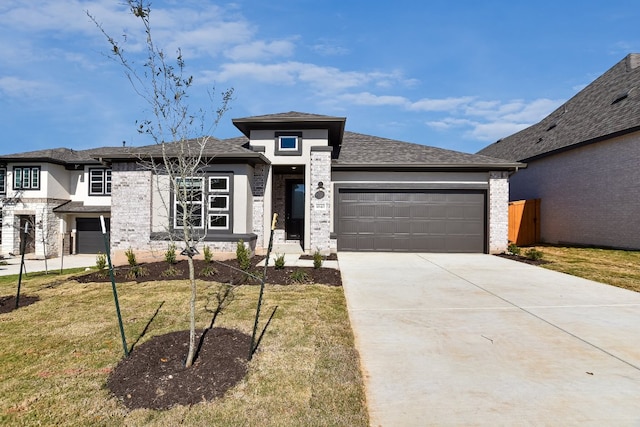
(534, 254)
(208, 255)
(279, 262)
(299, 276)
(137, 271)
(131, 257)
(170, 272)
(317, 259)
(242, 255)
(514, 249)
(208, 270)
(101, 261)
(170, 255)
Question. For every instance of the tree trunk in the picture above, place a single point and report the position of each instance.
(192, 315)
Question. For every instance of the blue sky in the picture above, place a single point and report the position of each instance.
(452, 74)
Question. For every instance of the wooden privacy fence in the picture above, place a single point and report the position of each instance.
(524, 222)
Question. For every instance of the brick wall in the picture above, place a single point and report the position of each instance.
(130, 207)
(589, 195)
(498, 211)
(320, 220)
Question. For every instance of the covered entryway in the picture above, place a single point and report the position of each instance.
(411, 220)
(89, 235)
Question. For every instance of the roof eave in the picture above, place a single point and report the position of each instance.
(436, 166)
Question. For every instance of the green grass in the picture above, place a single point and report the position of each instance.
(56, 354)
(614, 267)
(40, 277)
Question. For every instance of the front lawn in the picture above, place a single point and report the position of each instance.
(615, 267)
(56, 355)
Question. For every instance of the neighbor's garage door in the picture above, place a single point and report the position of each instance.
(411, 221)
(89, 235)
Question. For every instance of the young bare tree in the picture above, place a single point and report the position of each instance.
(179, 132)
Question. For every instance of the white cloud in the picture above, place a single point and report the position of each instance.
(16, 87)
(367, 98)
(328, 48)
(260, 49)
(444, 104)
(494, 131)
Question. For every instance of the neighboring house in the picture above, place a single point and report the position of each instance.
(583, 163)
(332, 189)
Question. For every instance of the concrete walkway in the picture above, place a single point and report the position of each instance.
(463, 340)
(34, 265)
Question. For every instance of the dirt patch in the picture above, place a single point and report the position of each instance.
(219, 271)
(8, 303)
(154, 376)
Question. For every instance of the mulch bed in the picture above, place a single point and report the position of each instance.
(8, 303)
(154, 376)
(225, 272)
(524, 259)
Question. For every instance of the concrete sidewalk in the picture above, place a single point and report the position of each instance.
(452, 339)
(33, 265)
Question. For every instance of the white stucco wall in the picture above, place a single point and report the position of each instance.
(589, 195)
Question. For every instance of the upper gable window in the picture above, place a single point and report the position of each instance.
(3, 181)
(26, 178)
(99, 182)
(288, 144)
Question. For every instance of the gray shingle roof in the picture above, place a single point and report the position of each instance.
(80, 207)
(367, 150)
(54, 155)
(608, 107)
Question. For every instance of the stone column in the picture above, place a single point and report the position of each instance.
(320, 196)
(498, 211)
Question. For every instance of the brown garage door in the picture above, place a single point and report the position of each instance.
(411, 221)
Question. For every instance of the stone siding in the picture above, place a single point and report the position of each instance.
(498, 211)
(130, 207)
(320, 212)
(260, 174)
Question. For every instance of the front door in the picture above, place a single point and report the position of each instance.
(30, 241)
(294, 214)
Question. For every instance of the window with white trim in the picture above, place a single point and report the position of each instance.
(207, 200)
(3, 181)
(189, 203)
(99, 182)
(288, 143)
(26, 178)
(219, 208)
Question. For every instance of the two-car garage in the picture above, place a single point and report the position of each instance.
(415, 220)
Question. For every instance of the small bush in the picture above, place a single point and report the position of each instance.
(299, 276)
(208, 255)
(208, 271)
(242, 255)
(101, 261)
(279, 262)
(131, 257)
(317, 259)
(137, 271)
(534, 254)
(171, 272)
(170, 255)
(514, 249)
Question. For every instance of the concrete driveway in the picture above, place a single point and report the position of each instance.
(457, 339)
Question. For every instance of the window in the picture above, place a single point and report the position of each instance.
(288, 143)
(208, 206)
(26, 178)
(3, 181)
(99, 182)
(218, 216)
(189, 202)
